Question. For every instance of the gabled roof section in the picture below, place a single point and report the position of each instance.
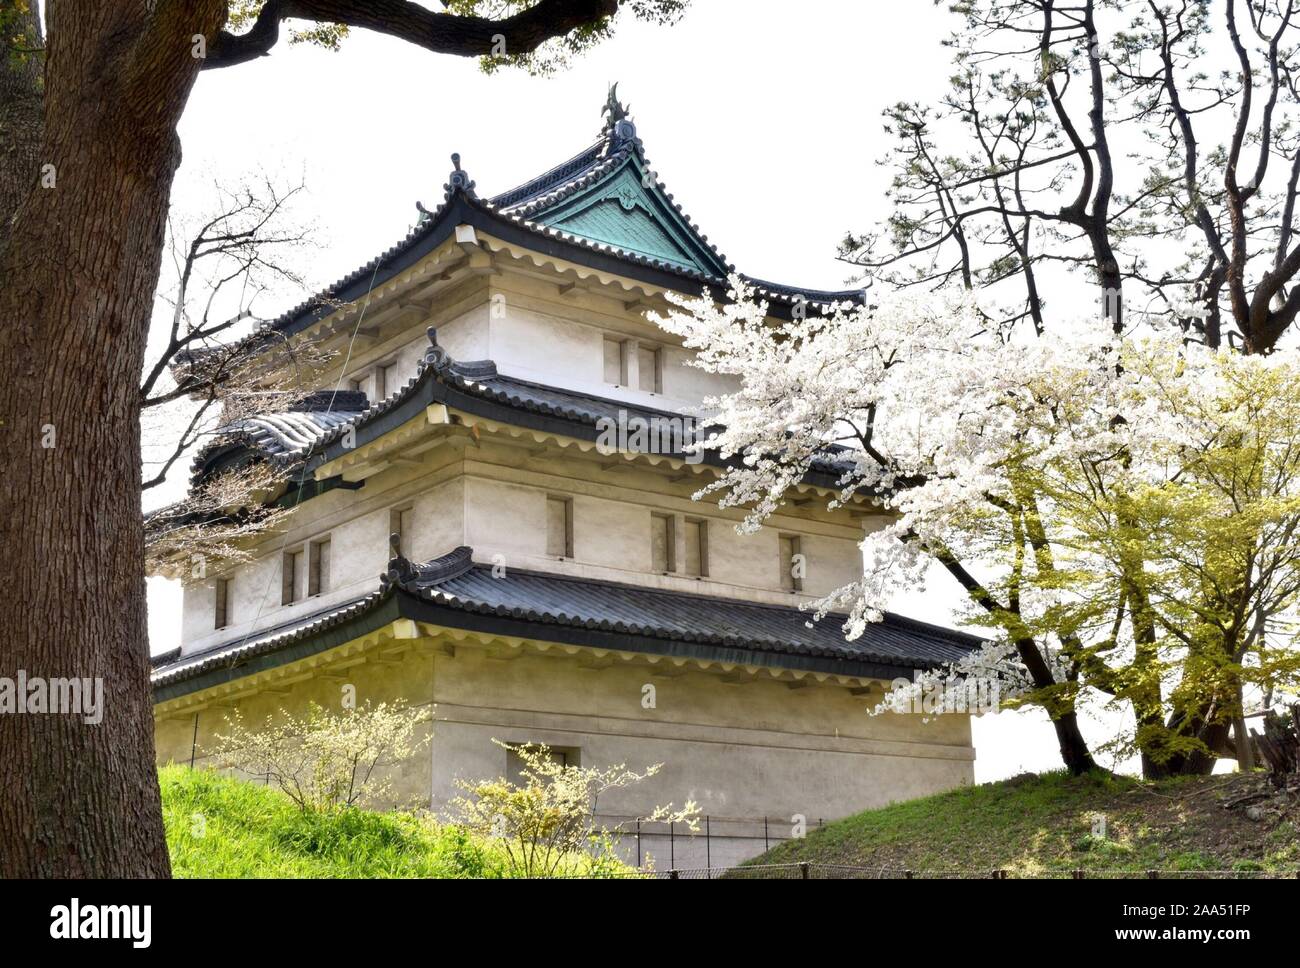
(603, 208)
(608, 194)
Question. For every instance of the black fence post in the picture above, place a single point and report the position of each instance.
(708, 845)
(638, 842)
(766, 844)
(907, 875)
(803, 870)
(672, 875)
(672, 844)
(1153, 875)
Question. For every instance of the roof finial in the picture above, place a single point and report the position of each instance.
(435, 356)
(618, 122)
(459, 179)
(616, 110)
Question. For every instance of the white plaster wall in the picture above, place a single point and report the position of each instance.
(532, 334)
(509, 519)
(542, 346)
(357, 523)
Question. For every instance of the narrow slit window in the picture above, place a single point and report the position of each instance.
(291, 577)
(663, 543)
(792, 563)
(391, 379)
(559, 527)
(400, 521)
(649, 371)
(697, 547)
(318, 576)
(616, 361)
(221, 617)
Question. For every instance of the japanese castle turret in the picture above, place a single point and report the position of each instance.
(464, 536)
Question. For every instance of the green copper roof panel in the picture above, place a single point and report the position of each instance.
(626, 208)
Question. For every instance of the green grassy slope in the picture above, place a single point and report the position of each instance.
(222, 827)
(1043, 824)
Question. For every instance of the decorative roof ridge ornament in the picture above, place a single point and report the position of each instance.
(459, 180)
(435, 356)
(404, 571)
(618, 123)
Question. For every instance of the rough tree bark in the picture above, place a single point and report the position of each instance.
(78, 268)
(76, 290)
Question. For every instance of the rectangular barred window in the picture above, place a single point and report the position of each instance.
(318, 577)
(616, 361)
(222, 617)
(515, 765)
(663, 543)
(559, 527)
(649, 369)
(792, 563)
(697, 547)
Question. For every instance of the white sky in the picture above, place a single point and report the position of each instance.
(766, 128)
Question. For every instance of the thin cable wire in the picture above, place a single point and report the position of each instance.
(347, 357)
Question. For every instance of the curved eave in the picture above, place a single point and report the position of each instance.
(430, 388)
(395, 602)
(462, 209)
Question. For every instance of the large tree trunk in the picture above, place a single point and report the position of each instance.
(1074, 748)
(77, 276)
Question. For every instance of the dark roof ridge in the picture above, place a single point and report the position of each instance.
(403, 572)
(428, 575)
(552, 176)
(264, 636)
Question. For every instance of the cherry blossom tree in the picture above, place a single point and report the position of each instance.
(1120, 511)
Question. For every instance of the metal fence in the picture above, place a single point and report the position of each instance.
(720, 842)
(821, 872)
(722, 846)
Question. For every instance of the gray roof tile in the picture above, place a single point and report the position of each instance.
(561, 608)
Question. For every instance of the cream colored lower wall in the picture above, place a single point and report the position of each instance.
(746, 751)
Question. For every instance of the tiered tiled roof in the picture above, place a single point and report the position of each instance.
(602, 208)
(475, 387)
(456, 592)
(284, 437)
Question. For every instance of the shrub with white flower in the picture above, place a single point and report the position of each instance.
(549, 815)
(324, 759)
